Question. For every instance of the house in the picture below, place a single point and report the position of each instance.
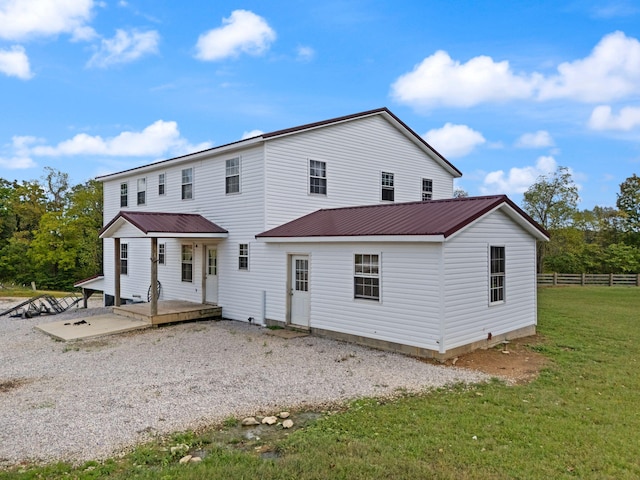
(345, 227)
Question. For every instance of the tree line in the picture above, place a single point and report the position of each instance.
(49, 231)
(601, 240)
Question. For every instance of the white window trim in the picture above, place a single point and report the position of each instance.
(138, 191)
(192, 183)
(164, 183)
(425, 192)
(182, 262)
(239, 175)
(124, 248)
(243, 256)
(503, 275)
(126, 185)
(383, 187)
(363, 275)
(309, 176)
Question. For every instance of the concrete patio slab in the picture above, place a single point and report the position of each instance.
(91, 326)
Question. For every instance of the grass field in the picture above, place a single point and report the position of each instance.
(579, 419)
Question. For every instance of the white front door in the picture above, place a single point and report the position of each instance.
(299, 282)
(211, 275)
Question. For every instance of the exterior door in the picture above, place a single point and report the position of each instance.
(299, 281)
(211, 275)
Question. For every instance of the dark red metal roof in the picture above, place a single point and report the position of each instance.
(437, 217)
(167, 222)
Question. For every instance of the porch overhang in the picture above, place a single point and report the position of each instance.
(161, 225)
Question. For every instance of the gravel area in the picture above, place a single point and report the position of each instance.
(95, 398)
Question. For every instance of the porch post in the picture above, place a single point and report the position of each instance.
(116, 261)
(154, 276)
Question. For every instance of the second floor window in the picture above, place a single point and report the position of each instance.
(161, 184)
(142, 191)
(187, 183)
(387, 187)
(317, 177)
(232, 176)
(427, 189)
(124, 194)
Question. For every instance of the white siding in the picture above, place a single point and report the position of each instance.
(468, 315)
(355, 153)
(409, 308)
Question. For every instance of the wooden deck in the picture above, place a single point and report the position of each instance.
(169, 311)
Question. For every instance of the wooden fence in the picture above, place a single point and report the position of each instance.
(606, 279)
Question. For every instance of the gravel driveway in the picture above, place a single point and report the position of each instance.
(94, 398)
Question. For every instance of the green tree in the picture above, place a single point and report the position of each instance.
(628, 202)
(552, 202)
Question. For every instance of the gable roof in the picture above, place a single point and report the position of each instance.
(439, 219)
(153, 224)
(229, 147)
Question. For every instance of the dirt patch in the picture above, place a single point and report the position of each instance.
(519, 366)
(12, 384)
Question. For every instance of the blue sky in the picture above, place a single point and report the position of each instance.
(507, 91)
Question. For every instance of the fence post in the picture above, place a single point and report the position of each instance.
(638, 280)
(555, 279)
(611, 279)
(582, 280)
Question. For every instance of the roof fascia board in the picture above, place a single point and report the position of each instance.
(356, 239)
(191, 157)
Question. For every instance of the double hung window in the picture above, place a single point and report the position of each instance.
(232, 175)
(387, 187)
(142, 191)
(124, 259)
(124, 194)
(317, 177)
(187, 183)
(187, 263)
(427, 189)
(366, 278)
(496, 274)
(243, 256)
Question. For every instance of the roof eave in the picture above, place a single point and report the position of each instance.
(355, 239)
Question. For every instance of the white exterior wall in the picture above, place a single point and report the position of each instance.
(469, 317)
(408, 311)
(356, 153)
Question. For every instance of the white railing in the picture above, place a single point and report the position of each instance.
(583, 279)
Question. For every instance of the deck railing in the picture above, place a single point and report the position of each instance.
(606, 279)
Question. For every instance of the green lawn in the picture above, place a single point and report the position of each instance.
(580, 419)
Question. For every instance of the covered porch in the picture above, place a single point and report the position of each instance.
(186, 227)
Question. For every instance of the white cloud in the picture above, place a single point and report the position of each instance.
(539, 139)
(19, 157)
(125, 47)
(22, 19)
(15, 63)
(242, 32)
(602, 118)
(611, 71)
(305, 54)
(439, 80)
(251, 134)
(454, 141)
(518, 180)
(158, 139)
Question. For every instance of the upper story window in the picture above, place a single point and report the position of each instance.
(124, 259)
(317, 177)
(366, 278)
(243, 256)
(161, 184)
(142, 191)
(232, 175)
(387, 186)
(124, 194)
(162, 253)
(427, 189)
(497, 274)
(187, 183)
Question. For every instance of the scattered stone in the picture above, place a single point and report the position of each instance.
(249, 422)
(186, 459)
(287, 423)
(284, 414)
(269, 420)
(195, 459)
